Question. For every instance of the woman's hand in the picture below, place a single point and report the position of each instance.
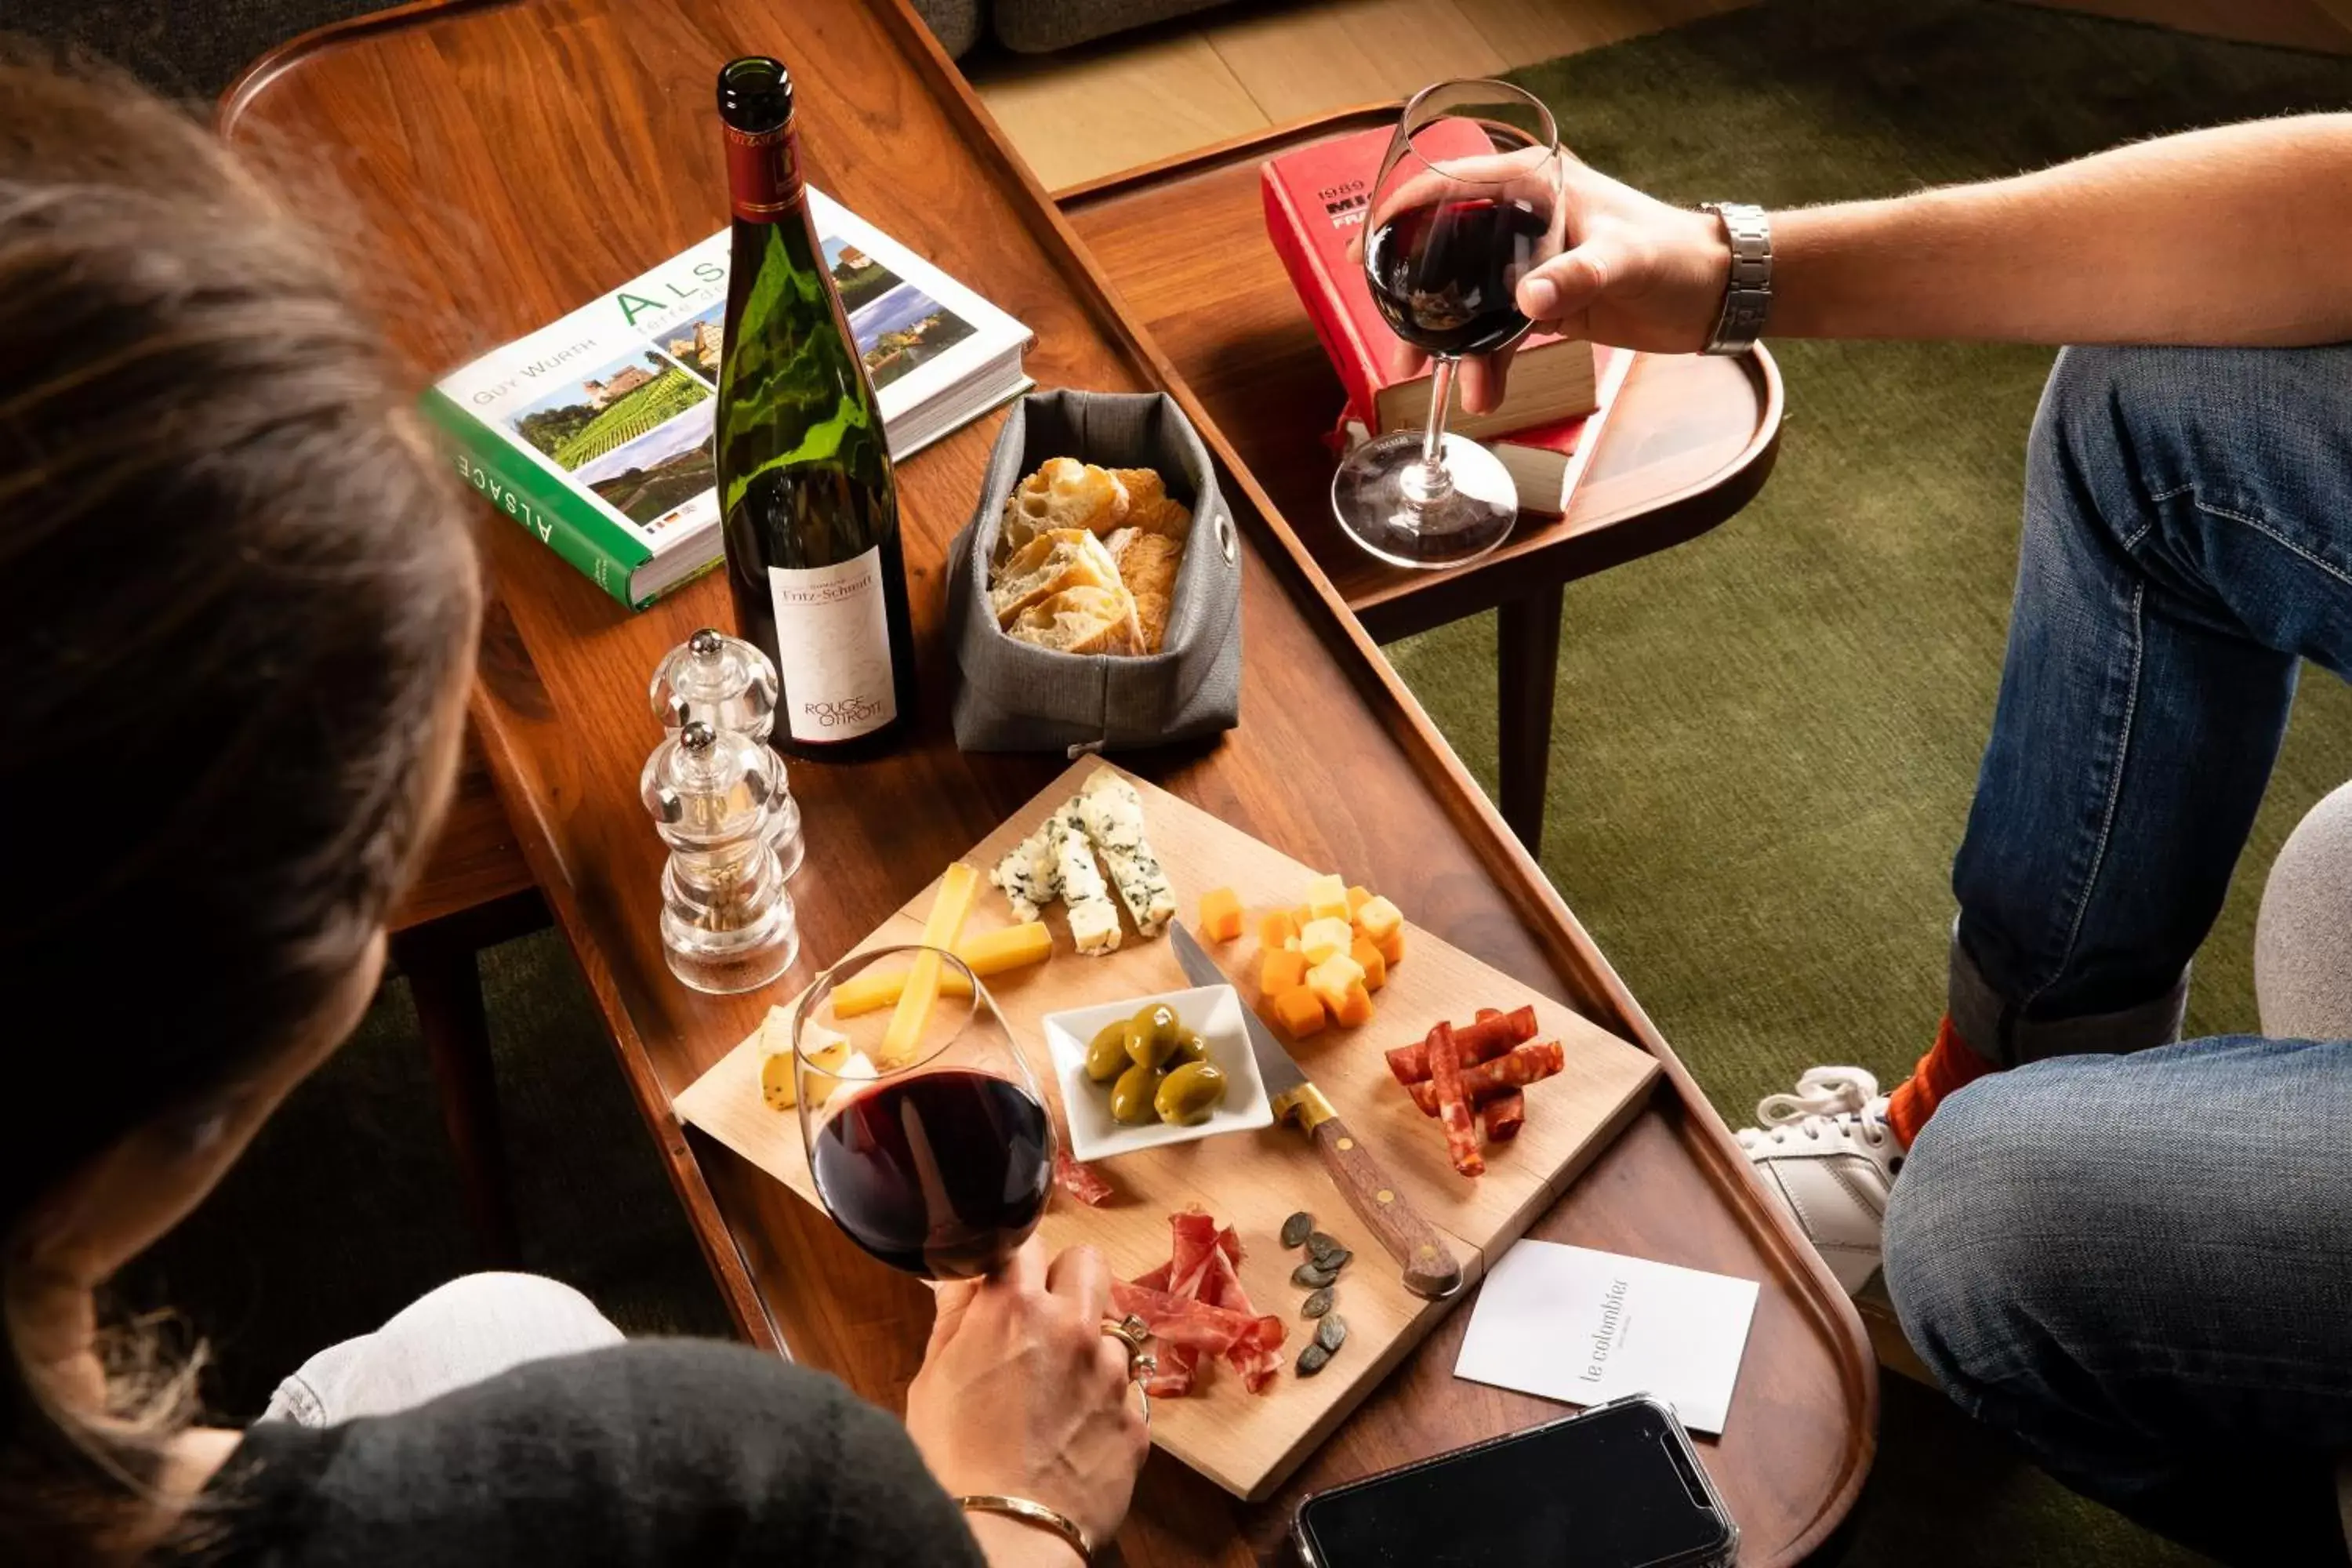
(1634, 272)
(1021, 1392)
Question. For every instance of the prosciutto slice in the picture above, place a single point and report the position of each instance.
(1195, 1307)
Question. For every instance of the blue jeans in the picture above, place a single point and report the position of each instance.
(2134, 1257)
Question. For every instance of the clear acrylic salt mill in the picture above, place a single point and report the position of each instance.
(727, 920)
(730, 685)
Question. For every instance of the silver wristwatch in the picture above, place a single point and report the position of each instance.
(1747, 295)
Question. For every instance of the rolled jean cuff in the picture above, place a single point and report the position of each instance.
(1995, 1029)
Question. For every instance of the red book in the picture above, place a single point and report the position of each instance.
(1545, 461)
(1315, 203)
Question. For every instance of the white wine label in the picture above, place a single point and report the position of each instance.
(832, 649)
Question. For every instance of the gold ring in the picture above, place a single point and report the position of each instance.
(1131, 1328)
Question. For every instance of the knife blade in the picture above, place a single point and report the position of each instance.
(1428, 1263)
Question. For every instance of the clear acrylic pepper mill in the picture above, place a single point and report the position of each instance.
(727, 920)
(730, 685)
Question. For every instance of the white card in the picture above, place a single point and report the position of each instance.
(1573, 1324)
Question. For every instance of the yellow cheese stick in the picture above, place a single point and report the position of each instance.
(991, 952)
(941, 929)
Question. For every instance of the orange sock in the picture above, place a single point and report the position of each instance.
(1948, 1065)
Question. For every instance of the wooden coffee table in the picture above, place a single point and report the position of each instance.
(506, 161)
(1690, 442)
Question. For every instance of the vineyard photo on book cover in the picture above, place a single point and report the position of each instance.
(896, 325)
(636, 431)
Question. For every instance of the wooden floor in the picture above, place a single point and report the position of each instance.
(1157, 92)
(1165, 91)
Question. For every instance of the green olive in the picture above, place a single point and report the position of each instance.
(1189, 1093)
(1106, 1053)
(1133, 1097)
(1152, 1034)
(1190, 1047)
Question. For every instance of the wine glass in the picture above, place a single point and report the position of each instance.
(1467, 202)
(927, 1138)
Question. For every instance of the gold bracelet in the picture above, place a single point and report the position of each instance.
(1035, 1513)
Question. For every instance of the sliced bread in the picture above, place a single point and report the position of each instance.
(1079, 620)
(1063, 493)
(1053, 562)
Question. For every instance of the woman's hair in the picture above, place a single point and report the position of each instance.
(239, 592)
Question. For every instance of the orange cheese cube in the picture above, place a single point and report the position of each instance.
(1278, 971)
(1358, 897)
(1355, 1008)
(1276, 929)
(1375, 967)
(1220, 914)
(1302, 915)
(1299, 1012)
(1392, 947)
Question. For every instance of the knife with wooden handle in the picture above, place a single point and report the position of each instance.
(1428, 1263)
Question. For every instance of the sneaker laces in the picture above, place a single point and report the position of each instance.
(1830, 1101)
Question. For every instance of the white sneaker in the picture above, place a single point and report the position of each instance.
(1827, 1151)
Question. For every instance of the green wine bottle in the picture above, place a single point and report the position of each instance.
(811, 508)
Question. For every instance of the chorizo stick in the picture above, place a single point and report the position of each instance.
(1505, 1115)
(1452, 1103)
(1515, 1068)
(1490, 1036)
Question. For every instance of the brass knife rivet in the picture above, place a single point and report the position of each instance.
(1427, 1250)
(1346, 1144)
(1384, 1196)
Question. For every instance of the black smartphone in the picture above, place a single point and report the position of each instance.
(1616, 1487)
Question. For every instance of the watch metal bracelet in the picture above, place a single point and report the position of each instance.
(1747, 291)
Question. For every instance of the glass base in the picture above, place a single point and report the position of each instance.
(1388, 501)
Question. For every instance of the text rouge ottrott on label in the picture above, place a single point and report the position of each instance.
(804, 481)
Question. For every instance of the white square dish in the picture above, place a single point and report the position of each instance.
(1213, 1012)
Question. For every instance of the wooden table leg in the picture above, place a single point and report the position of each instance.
(1527, 668)
(446, 984)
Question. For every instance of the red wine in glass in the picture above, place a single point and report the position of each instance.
(1443, 273)
(942, 1173)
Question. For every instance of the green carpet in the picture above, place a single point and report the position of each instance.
(1764, 747)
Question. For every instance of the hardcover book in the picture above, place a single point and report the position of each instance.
(595, 432)
(1545, 461)
(1315, 201)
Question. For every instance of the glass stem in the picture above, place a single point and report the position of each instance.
(1427, 480)
(1441, 393)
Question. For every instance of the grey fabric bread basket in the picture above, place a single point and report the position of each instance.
(1011, 696)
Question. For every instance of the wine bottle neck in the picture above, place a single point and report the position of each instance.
(764, 174)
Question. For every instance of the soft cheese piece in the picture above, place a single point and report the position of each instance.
(1027, 874)
(1094, 918)
(828, 1049)
(1113, 813)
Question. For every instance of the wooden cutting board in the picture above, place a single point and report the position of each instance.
(1253, 1181)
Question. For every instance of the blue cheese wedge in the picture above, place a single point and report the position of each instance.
(1094, 918)
(1027, 875)
(1113, 814)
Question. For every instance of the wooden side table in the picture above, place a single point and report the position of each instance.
(1689, 444)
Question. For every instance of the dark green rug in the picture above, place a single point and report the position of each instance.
(1766, 738)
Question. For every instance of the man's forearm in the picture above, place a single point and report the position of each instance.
(2237, 236)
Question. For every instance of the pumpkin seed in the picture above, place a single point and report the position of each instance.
(1331, 1333)
(1311, 1278)
(1316, 1305)
(1336, 1259)
(1311, 1360)
(1295, 1228)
